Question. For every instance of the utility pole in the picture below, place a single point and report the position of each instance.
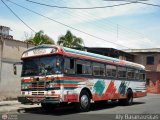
(1, 55)
(117, 31)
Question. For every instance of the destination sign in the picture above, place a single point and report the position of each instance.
(40, 51)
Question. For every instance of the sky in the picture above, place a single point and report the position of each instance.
(134, 26)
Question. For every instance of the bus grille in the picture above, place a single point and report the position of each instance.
(37, 92)
(38, 85)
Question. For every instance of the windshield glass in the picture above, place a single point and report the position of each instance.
(39, 66)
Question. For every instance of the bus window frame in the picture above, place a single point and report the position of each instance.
(112, 69)
(124, 78)
(142, 72)
(133, 71)
(83, 61)
(105, 74)
(104, 65)
(66, 57)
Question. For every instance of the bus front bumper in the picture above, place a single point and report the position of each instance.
(37, 100)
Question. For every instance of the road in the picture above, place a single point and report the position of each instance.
(146, 105)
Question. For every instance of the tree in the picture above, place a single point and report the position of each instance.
(71, 41)
(40, 38)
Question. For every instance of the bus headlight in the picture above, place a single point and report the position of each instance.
(51, 85)
(24, 86)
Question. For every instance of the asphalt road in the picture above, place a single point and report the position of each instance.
(146, 105)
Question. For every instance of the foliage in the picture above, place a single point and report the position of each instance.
(71, 41)
(40, 38)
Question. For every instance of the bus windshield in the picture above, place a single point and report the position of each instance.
(39, 66)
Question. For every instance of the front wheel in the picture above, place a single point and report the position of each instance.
(84, 102)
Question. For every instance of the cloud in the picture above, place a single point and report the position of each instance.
(85, 20)
(81, 16)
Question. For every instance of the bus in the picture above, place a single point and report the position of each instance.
(54, 75)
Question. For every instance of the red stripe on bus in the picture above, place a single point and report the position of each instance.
(95, 59)
(71, 98)
(65, 85)
(72, 78)
(139, 94)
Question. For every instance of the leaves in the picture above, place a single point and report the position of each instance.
(40, 38)
(71, 41)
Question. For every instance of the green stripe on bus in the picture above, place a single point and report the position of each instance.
(67, 81)
(90, 54)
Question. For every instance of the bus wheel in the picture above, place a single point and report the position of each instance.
(84, 102)
(48, 107)
(129, 100)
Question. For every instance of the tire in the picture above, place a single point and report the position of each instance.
(48, 107)
(84, 102)
(129, 100)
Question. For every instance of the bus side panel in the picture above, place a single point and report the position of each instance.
(117, 89)
(103, 89)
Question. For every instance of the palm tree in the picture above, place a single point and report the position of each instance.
(40, 38)
(71, 41)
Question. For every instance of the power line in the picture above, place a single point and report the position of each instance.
(155, 5)
(136, 1)
(17, 16)
(84, 8)
(109, 26)
(47, 5)
(124, 0)
(67, 25)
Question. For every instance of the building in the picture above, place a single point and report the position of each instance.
(4, 32)
(111, 52)
(150, 58)
(10, 52)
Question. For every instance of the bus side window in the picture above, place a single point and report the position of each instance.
(130, 73)
(142, 76)
(137, 74)
(69, 66)
(98, 69)
(122, 72)
(79, 67)
(111, 71)
(83, 67)
(87, 68)
(71, 63)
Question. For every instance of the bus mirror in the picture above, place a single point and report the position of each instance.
(15, 69)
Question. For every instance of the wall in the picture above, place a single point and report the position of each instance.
(154, 87)
(153, 71)
(10, 83)
(141, 59)
(11, 53)
(153, 76)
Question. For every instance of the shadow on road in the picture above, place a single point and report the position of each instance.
(69, 109)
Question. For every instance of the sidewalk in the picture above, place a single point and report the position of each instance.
(8, 106)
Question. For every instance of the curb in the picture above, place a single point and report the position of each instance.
(20, 108)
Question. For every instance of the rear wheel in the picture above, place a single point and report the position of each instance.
(84, 102)
(129, 100)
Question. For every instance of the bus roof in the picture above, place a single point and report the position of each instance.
(78, 53)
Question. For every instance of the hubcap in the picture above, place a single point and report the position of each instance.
(130, 99)
(84, 101)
